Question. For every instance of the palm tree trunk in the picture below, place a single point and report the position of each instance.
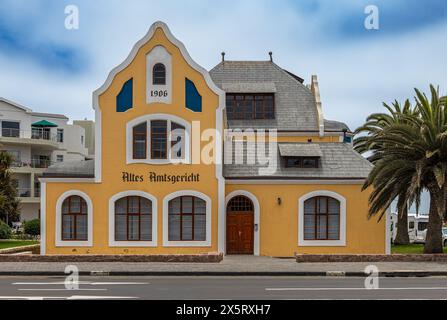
(433, 241)
(402, 237)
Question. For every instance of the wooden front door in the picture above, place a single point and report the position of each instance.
(240, 226)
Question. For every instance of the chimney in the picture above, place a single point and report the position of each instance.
(271, 56)
(223, 57)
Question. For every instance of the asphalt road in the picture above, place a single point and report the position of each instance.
(225, 288)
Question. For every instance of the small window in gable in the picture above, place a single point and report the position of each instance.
(159, 74)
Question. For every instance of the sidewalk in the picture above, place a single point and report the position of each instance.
(231, 266)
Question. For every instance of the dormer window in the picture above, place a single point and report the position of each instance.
(159, 74)
(302, 162)
(243, 106)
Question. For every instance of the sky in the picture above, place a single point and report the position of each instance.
(48, 68)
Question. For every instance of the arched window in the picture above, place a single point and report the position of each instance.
(159, 74)
(322, 218)
(187, 219)
(74, 219)
(240, 204)
(133, 219)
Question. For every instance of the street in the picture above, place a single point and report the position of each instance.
(220, 288)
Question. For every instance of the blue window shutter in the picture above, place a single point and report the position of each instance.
(124, 100)
(193, 97)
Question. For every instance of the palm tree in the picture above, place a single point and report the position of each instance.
(368, 144)
(414, 151)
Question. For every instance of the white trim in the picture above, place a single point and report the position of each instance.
(148, 118)
(158, 54)
(59, 241)
(67, 180)
(139, 244)
(167, 199)
(299, 182)
(257, 231)
(43, 218)
(98, 144)
(388, 232)
(322, 243)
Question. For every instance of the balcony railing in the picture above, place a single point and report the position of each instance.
(35, 164)
(34, 134)
(27, 192)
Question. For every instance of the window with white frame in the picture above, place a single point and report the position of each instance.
(74, 219)
(133, 219)
(187, 219)
(158, 140)
(60, 135)
(322, 219)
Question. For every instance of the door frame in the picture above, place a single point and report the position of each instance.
(257, 218)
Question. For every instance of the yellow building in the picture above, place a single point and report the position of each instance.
(238, 160)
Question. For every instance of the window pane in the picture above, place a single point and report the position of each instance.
(174, 206)
(121, 206)
(140, 141)
(120, 228)
(187, 228)
(146, 206)
(177, 141)
(309, 206)
(159, 74)
(66, 206)
(199, 206)
(187, 205)
(133, 228)
(146, 227)
(81, 228)
(67, 227)
(334, 206)
(200, 227)
(174, 227)
(334, 227)
(159, 139)
(75, 205)
(321, 227)
(309, 227)
(322, 205)
(134, 204)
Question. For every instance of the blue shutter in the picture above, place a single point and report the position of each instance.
(193, 97)
(124, 100)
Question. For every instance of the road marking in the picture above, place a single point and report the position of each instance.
(80, 282)
(62, 290)
(355, 289)
(68, 298)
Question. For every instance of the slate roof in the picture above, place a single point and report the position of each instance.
(300, 150)
(339, 161)
(294, 103)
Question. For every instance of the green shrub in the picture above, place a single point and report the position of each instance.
(5, 231)
(32, 227)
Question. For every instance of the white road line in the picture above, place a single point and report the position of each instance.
(356, 289)
(62, 290)
(68, 298)
(80, 283)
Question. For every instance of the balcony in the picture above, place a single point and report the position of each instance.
(36, 166)
(26, 195)
(36, 137)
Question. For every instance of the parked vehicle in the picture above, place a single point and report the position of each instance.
(417, 227)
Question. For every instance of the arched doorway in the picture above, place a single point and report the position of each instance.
(240, 226)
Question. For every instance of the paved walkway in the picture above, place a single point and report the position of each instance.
(232, 265)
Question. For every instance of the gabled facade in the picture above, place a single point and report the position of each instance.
(168, 177)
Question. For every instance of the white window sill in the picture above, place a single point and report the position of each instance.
(322, 243)
(181, 244)
(133, 244)
(63, 244)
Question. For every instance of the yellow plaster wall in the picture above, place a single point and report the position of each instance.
(279, 223)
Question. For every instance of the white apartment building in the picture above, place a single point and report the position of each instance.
(37, 141)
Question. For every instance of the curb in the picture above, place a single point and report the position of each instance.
(341, 274)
